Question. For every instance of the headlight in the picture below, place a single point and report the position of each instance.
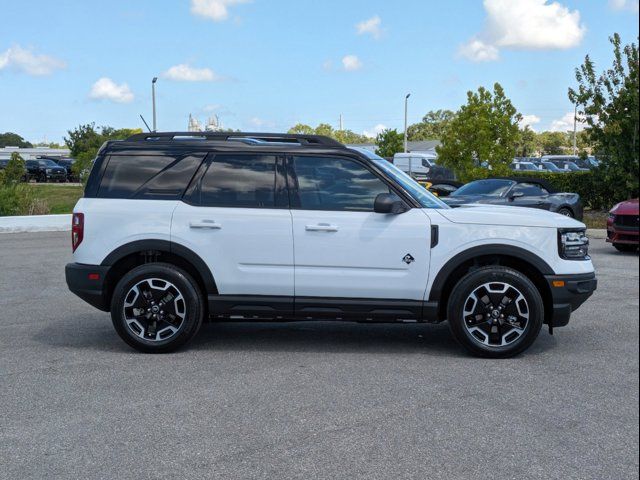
(573, 244)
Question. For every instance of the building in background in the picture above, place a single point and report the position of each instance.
(35, 152)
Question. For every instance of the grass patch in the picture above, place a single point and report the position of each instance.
(59, 198)
(595, 218)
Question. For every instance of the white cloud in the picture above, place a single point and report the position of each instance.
(216, 10)
(566, 123)
(529, 121)
(525, 24)
(351, 63)
(373, 133)
(631, 5)
(24, 60)
(187, 73)
(107, 89)
(371, 26)
(478, 51)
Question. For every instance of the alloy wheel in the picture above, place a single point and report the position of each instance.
(154, 309)
(496, 314)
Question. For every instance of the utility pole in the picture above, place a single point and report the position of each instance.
(341, 127)
(153, 101)
(406, 101)
(575, 130)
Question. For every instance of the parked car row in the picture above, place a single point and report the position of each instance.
(55, 170)
(554, 164)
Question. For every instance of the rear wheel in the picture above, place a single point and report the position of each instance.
(623, 247)
(495, 312)
(157, 308)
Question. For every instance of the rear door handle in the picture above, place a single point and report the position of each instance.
(321, 227)
(211, 224)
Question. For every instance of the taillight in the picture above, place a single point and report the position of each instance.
(77, 230)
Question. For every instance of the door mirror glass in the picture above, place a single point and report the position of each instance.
(389, 203)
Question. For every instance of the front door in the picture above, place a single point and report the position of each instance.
(343, 249)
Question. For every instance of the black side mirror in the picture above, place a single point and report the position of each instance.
(389, 203)
(515, 195)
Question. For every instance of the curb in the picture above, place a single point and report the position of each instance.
(35, 223)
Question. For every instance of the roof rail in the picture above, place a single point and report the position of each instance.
(255, 138)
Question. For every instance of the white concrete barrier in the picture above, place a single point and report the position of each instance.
(35, 223)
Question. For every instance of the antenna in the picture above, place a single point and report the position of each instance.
(145, 122)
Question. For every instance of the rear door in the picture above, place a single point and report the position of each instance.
(236, 218)
(343, 249)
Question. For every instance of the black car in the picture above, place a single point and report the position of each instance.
(518, 192)
(67, 164)
(45, 170)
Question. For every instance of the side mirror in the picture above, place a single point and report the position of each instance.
(389, 203)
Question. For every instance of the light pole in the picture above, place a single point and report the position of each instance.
(406, 101)
(575, 129)
(153, 101)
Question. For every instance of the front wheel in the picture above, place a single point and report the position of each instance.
(495, 312)
(566, 212)
(157, 308)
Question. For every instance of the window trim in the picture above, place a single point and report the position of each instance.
(292, 180)
(192, 194)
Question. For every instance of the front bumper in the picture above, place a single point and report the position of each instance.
(88, 283)
(623, 234)
(568, 293)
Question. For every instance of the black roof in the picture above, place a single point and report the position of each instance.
(168, 142)
(253, 138)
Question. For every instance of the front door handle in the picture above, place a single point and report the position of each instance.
(321, 227)
(211, 224)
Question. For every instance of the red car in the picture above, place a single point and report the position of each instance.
(622, 226)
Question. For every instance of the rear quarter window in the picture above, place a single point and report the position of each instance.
(148, 176)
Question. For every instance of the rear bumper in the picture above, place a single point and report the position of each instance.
(568, 293)
(87, 282)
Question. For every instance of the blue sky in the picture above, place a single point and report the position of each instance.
(266, 65)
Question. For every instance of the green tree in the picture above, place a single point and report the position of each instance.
(526, 143)
(301, 128)
(432, 126)
(14, 171)
(484, 130)
(553, 143)
(344, 136)
(389, 142)
(9, 139)
(609, 103)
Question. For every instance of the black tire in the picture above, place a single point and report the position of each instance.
(186, 286)
(625, 248)
(475, 280)
(566, 212)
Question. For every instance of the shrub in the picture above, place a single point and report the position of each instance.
(15, 170)
(19, 199)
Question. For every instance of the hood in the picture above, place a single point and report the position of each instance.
(457, 200)
(630, 207)
(508, 216)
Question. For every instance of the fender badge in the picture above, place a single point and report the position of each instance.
(408, 259)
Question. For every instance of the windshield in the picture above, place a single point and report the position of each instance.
(492, 188)
(551, 166)
(48, 163)
(572, 166)
(425, 198)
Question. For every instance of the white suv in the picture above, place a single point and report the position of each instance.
(174, 230)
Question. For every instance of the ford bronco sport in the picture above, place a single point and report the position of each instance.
(178, 228)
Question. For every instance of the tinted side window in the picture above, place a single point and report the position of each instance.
(147, 176)
(236, 180)
(530, 189)
(326, 183)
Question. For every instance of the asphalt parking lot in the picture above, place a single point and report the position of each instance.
(317, 400)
